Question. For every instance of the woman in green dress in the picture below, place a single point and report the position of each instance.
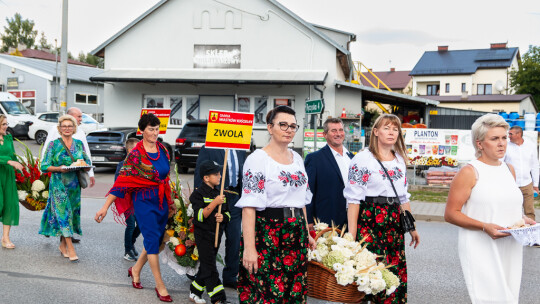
(9, 201)
(62, 216)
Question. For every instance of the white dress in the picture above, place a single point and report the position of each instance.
(492, 268)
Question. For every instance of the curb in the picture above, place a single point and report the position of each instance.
(429, 218)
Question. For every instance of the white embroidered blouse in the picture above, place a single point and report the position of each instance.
(367, 178)
(269, 184)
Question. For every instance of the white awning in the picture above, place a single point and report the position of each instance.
(234, 76)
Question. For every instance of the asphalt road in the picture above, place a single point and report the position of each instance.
(36, 273)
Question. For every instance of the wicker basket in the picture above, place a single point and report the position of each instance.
(322, 282)
(28, 206)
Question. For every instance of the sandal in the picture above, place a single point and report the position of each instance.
(9, 245)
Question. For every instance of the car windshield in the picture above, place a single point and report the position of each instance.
(104, 136)
(14, 107)
(87, 119)
(193, 131)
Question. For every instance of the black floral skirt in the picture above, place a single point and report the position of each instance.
(381, 225)
(282, 245)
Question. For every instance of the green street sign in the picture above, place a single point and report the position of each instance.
(314, 106)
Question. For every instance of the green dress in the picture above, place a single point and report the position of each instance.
(62, 215)
(9, 200)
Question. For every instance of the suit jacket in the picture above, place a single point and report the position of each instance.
(326, 184)
(218, 155)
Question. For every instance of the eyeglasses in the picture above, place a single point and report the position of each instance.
(67, 127)
(285, 126)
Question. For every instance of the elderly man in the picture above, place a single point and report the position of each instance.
(521, 153)
(54, 134)
(327, 170)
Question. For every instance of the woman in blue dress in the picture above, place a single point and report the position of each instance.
(143, 188)
(62, 215)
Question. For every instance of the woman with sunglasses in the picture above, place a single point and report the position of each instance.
(273, 252)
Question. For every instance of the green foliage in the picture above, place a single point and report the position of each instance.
(91, 59)
(18, 31)
(43, 43)
(526, 79)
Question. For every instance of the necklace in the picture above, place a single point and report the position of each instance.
(148, 154)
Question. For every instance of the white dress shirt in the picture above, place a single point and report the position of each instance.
(343, 162)
(524, 159)
(54, 134)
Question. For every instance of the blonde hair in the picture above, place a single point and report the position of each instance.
(399, 146)
(482, 125)
(2, 117)
(70, 118)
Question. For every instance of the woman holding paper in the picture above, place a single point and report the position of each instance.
(143, 188)
(274, 194)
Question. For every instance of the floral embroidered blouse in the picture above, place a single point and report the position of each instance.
(269, 184)
(367, 178)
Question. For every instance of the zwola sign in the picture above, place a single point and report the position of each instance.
(229, 130)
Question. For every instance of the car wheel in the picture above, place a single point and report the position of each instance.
(41, 136)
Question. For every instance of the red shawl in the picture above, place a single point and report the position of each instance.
(138, 174)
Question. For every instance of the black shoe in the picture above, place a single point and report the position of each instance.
(74, 240)
(192, 278)
(130, 257)
(232, 285)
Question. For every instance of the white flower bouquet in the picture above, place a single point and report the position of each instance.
(351, 264)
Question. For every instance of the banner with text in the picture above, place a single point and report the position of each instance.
(229, 130)
(162, 114)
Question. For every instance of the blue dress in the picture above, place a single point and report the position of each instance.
(150, 213)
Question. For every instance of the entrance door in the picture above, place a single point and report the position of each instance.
(207, 103)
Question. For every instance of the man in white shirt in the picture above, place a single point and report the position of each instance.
(523, 156)
(327, 171)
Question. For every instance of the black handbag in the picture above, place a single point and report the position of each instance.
(407, 219)
(81, 175)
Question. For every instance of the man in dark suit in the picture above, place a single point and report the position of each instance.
(327, 171)
(233, 189)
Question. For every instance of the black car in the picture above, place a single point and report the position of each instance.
(108, 147)
(190, 142)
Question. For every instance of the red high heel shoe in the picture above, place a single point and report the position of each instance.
(136, 285)
(166, 298)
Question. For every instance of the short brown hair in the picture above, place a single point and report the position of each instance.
(131, 142)
(329, 121)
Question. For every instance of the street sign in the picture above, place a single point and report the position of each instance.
(229, 130)
(314, 106)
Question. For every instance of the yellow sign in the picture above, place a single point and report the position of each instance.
(229, 130)
(433, 112)
(162, 114)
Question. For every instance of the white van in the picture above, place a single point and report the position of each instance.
(18, 117)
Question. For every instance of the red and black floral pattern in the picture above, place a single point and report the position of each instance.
(359, 175)
(394, 173)
(381, 225)
(297, 179)
(253, 182)
(282, 247)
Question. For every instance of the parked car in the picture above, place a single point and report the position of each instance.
(45, 121)
(107, 147)
(18, 117)
(189, 143)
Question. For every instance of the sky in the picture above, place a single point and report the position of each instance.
(390, 33)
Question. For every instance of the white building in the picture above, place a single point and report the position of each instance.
(247, 56)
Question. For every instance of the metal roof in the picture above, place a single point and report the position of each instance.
(75, 72)
(384, 96)
(215, 76)
(353, 36)
(99, 50)
(463, 61)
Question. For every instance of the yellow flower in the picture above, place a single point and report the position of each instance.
(194, 257)
(183, 229)
(170, 232)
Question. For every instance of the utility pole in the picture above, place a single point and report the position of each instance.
(64, 59)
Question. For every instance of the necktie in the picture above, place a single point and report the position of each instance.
(234, 179)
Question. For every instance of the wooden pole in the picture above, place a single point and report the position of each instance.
(221, 192)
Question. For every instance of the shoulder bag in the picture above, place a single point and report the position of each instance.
(81, 174)
(407, 219)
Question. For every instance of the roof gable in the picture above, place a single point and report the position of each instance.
(463, 61)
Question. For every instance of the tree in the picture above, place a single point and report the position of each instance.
(91, 59)
(526, 79)
(18, 31)
(43, 43)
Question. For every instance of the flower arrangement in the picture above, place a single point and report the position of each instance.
(32, 184)
(181, 252)
(352, 262)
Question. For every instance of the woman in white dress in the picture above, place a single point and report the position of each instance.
(275, 237)
(484, 198)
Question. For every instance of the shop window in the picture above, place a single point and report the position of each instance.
(243, 104)
(261, 109)
(86, 98)
(176, 110)
(484, 89)
(154, 102)
(433, 89)
(192, 108)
